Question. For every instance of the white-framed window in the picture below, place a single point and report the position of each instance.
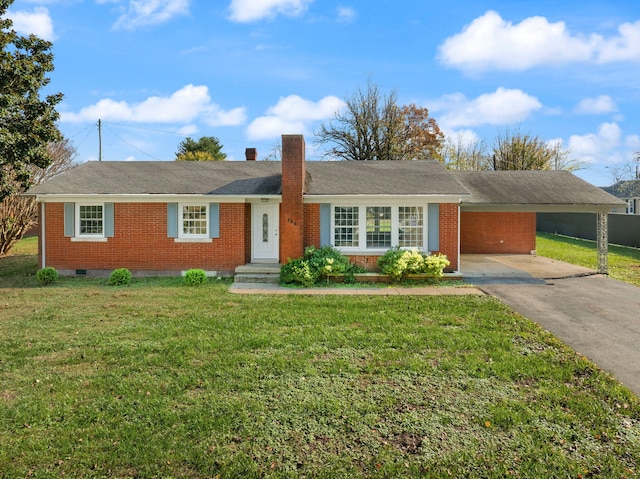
(346, 233)
(90, 220)
(384, 227)
(631, 206)
(411, 226)
(193, 221)
(378, 227)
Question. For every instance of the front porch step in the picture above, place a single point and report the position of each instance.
(257, 273)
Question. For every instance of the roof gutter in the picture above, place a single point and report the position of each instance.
(540, 208)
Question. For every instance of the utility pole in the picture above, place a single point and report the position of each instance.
(99, 139)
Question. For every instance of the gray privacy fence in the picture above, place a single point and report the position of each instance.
(623, 229)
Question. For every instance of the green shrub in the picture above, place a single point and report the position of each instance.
(47, 275)
(435, 264)
(120, 277)
(298, 271)
(316, 265)
(194, 277)
(398, 263)
(394, 264)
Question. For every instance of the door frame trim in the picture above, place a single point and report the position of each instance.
(275, 207)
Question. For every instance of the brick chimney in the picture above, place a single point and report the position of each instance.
(251, 154)
(292, 206)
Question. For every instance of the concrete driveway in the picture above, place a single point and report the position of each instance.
(515, 269)
(597, 316)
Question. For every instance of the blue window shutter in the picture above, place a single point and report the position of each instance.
(172, 220)
(108, 220)
(433, 228)
(69, 219)
(325, 224)
(214, 220)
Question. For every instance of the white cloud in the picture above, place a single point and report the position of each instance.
(633, 142)
(188, 104)
(37, 22)
(491, 43)
(625, 47)
(188, 130)
(502, 107)
(252, 10)
(598, 105)
(346, 14)
(292, 115)
(602, 146)
(139, 13)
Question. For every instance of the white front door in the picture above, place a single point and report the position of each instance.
(266, 221)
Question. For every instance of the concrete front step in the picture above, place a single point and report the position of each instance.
(258, 273)
(256, 278)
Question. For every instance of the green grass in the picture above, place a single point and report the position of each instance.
(624, 263)
(21, 264)
(162, 380)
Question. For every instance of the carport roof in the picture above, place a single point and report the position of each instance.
(539, 191)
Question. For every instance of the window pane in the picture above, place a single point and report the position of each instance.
(410, 227)
(346, 226)
(265, 228)
(378, 227)
(90, 219)
(194, 220)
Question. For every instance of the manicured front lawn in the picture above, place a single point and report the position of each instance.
(162, 380)
(624, 263)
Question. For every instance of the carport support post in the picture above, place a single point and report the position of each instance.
(603, 243)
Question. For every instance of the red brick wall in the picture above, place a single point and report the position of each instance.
(311, 225)
(497, 233)
(449, 233)
(141, 243)
(292, 207)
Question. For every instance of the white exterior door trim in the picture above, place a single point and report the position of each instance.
(265, 224)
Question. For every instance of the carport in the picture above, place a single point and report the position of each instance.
(499, 216)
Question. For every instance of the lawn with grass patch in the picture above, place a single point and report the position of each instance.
(20, 265)
(624, 262)
(158, 379)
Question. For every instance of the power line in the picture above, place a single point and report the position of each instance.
(145, 128)
(132, 146)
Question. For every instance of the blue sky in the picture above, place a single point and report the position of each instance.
(247, 71)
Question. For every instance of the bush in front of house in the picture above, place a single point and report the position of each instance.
(120, 277)
(48, 275)
(194, 277)
(399, 263)
(435, 264)
(316, 265)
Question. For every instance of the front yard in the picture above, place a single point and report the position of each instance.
(162, 380)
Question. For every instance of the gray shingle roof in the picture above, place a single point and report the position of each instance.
(424, 177)
(253, 178)
(166, 177)
(324, 178)
(531, 188)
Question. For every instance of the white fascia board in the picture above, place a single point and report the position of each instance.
(152, 198)
(384, 199)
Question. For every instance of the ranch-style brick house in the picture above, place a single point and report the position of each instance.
(165, 217)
